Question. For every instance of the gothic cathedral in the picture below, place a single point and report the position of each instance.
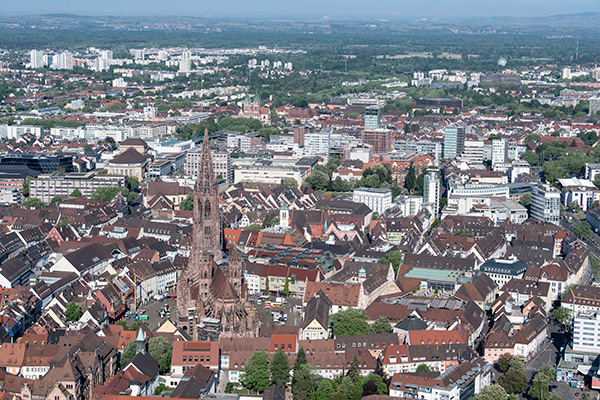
(211, 295)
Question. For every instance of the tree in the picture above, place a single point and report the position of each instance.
(188, 203)
(33, 202)
(55, 199)
(492, 392)
(304, 382)
(289, 183)
(504, 361)
(300, 358)
(160, 349)
(423, 368)
(381, 325)
(393, 257)
(73, 312)
(547, 372)
(253, 228)
(581, 228)
(411, 179)
(128, 353)
(325, 389)
(354, 371)
(75, 193)
(107, 193)
(25, 189)
(513, 381)
(256, 372)
(102, 172)
(351, 321)
(374, 384)
(286, 286)
(574, 206)
(561, 315)
(267, 222)
(526, 200)
(540, 387)
(280, 369)
(133, 182)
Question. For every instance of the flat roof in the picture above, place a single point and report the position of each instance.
(426, 274)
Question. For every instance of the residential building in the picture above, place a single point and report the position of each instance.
(545, 204)
(591, 170)
(377, 199)
(499, 151)
(431, 191)
(381, 139)
(421, 147)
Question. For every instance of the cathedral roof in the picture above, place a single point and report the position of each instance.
(221, 285)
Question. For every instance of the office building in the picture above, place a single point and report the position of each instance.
(431, 191)
(409, 205)
(454, 141)
(37, 59)
(317, 144)
(40, 163)
(372, 117)
(378, 200)
(473, 152)
(436, 103)
(586, 332)
(47, 186)
(222, 165)
(265, 171)
(545, 204)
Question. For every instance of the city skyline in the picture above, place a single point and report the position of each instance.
(336, 9)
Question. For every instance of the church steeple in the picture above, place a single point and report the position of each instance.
(140, 342)
(207, 236)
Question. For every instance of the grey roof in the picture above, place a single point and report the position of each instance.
(195, 382)
(411, 323)
(507, 267)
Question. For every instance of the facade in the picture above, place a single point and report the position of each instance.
(129, 163)
(473, 152)
(420, 147)
(545, 204)
(211, 298)
(378, 200)
(372, 117)
(501, 270)
(44, 164)
(382, 140)
(431, 191)
(591, 170)
(267, 172)
(221, 163)
(45, 187)
(586, 332)
(454, 141)
(499, 151)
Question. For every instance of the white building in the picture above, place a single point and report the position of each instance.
(545, 204)
(36, 59)
(409, 205)
(266, 172)
(378, 200)
(317, 144)
(431, 191)
(16, 131)
(586, 333)
(473, 153)
(498, 151)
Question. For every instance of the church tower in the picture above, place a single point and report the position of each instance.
(207, 224)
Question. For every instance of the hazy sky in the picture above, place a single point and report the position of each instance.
(390, 9)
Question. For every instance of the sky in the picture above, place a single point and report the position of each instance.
(337, 9)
